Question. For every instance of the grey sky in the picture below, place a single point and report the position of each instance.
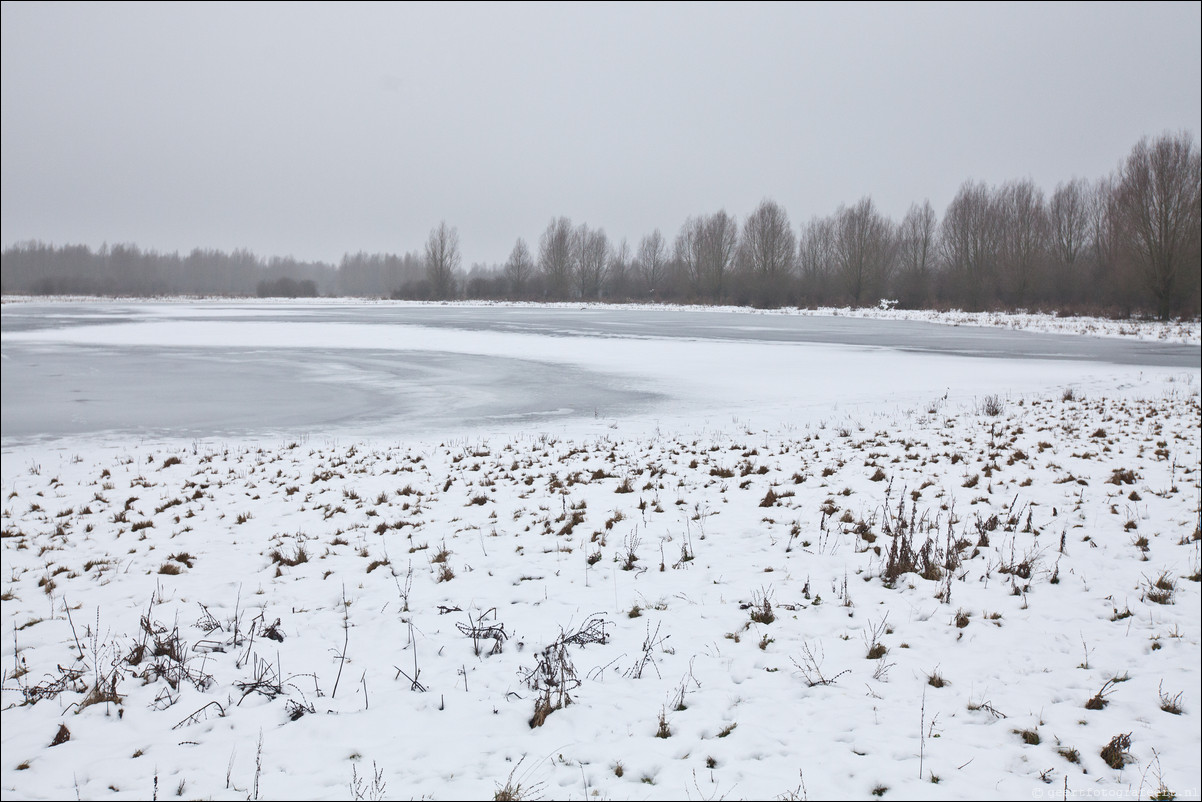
(314, 130)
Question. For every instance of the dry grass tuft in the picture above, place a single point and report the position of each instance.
(1030, 737)
(300, 556)
(664, 730)
(1170, 704)
(1069, 754)
(761, 609)
(62, 736)
(1117, 753)
(1160, 590)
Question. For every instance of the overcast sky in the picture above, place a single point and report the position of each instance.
(314, 130)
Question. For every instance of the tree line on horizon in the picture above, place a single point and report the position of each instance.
(1125, 244)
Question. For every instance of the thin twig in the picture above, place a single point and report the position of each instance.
(346, 634)
(67, 607)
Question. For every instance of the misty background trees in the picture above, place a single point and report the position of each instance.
(1123, 244)
(442, 261)
(1157, 208)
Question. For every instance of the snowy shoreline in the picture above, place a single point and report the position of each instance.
(296, 619)
(1173, 331)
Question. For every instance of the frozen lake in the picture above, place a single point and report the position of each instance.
(215, 369)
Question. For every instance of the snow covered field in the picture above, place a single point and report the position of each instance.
(804, 572)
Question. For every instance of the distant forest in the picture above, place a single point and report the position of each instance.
(1122, 245)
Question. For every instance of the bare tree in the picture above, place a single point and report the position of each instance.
(1068, 220)
(442, 260)
(652, 263)
(689, 252)
(768, 250)
(590, 258)
(1068, 235)
(863, 249)
(969, 236)
(1111, 278)
(519, 268)
(555, 257)
(916, 251)
(1158, 207)
(816, 254)
(618, 273)
(721, 244)
(706, 248)
(1024, 226)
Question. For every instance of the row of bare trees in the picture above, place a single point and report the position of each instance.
(1126, 243)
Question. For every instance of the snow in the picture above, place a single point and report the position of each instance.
(1172, 331)
(1058, 493)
